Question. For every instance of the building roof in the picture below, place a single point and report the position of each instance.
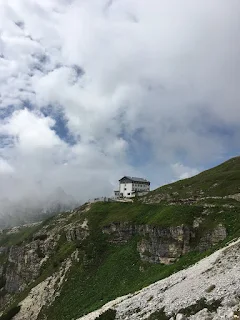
(134, 179)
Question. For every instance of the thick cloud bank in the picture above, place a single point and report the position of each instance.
(91, 90)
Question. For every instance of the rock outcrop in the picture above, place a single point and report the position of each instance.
(213, 237)
(164, 244)
(77, 231)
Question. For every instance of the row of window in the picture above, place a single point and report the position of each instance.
(138, 184)
(133, 193)
(137, 189)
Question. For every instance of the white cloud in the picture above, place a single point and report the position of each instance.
(183, 172)
(167, 69)
(5, 167)
(31, 131)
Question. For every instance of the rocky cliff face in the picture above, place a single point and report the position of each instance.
(44, 293)
(164, 244)
(24, 262)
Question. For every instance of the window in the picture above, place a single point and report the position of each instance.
(125, 188)
(128, 194)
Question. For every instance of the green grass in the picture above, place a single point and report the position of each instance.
(160, 215)
(219, 202)
(219, 181)
(24, 234)
(158, 315)
(10, 314)
(110, 314)
(13, 239)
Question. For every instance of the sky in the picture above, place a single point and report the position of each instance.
(91, 90)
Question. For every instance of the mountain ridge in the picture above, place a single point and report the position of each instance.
(220, 182)
(58, 269)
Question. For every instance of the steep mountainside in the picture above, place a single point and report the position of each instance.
(75, 262)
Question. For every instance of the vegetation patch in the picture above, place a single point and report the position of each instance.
(158, 315)
(200, 305)
(11, 313)
(40, 254)
(40, 237)
(18, 237)
(2, 281)
(210, 288)
(110, 314)
(138, 213)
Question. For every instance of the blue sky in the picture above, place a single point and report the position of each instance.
(105, 89)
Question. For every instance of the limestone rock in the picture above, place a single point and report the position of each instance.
(180, 316)
(213, 237)
(77, 231)
(163, 244)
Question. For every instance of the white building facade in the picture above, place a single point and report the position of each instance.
(132, 186)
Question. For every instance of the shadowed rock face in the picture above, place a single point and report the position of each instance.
(218, 234)
(23, 265)
(163, 244)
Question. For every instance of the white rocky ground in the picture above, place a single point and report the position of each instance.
(215, 278)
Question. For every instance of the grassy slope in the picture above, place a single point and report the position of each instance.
(114, 270)
(219, 181)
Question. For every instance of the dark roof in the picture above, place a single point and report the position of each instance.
(134, 179)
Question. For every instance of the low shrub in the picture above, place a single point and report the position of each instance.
(110, 314)
(41, 237)
(210, 288)
(158, 315)
(11, 313)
